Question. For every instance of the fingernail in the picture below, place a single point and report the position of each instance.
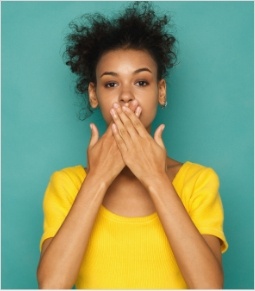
(116, 105)
(139, 110)
(112, 111)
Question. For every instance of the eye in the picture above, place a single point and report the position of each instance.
(142, 83)
(110, 84)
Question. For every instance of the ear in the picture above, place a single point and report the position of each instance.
(162, 92)
(92, 95)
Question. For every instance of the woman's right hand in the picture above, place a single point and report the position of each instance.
(104, 158)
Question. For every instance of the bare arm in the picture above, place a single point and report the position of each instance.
(198, 257)
(61, 256)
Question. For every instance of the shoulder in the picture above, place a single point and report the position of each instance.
(65, 182)
(197, 171)
(188, 170)
(75, 174)
(193, 176)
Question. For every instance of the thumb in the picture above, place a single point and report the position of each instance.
(158, 135)
(94, 135)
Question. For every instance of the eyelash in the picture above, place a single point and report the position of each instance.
(144, 83)
(107, 85)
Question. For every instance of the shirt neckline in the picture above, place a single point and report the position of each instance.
(136, 219)
(126, 219)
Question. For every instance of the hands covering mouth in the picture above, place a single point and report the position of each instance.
(133, 106)
(141, 153)
(126, 142)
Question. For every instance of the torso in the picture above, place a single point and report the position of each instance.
(128, 197)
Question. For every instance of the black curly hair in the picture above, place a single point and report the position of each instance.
(137, 27)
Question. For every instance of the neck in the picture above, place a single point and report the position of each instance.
(127, 173)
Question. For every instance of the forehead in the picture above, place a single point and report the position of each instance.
(126, 60)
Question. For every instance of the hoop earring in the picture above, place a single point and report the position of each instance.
(163, 106)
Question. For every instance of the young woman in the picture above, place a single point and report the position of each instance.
(134, 218)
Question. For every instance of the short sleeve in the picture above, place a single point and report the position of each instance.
(205, 206)
(58, 199)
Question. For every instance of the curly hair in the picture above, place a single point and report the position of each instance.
(137, 27)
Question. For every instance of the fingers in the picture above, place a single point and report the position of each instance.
(108, 131)
(134, 106)
(122, 127)
(119, 140)
(131, 121)
(158, 135)
(94, 135)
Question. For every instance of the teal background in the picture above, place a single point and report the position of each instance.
(209, 119)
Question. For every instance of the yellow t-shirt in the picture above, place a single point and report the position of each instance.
(134, 253)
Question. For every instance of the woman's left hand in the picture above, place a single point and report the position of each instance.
(144, 156)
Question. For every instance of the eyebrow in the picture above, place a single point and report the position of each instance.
(135, 72)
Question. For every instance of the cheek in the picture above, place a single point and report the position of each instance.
(106, 115)
(104, 105)
(149, 112)
(105, 110)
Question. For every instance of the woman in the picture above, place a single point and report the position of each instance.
(134, 218)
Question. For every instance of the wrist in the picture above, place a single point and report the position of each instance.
(103, 180)
(157, 183)
(95, 180)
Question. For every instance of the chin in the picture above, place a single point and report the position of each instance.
(147, 122)
(107, 118)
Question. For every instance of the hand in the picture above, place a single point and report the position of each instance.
(104, 157)
(145, 156)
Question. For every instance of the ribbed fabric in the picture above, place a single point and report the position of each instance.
(128, 253)
(134, 253)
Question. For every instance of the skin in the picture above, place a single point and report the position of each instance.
(126, 81)
(128, 92)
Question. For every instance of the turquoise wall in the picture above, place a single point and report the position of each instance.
(209, 119)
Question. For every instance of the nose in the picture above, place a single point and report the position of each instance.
(126, 96)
